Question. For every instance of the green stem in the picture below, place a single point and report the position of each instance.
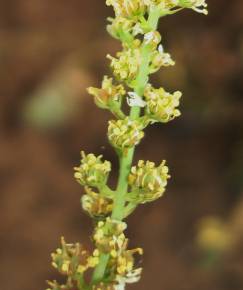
(125, 159)
(99, 271)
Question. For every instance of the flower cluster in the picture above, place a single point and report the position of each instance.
(161, 105)
(147, 181)
(125, 28)
(136, 8)
(109, 238)
(72, 260)
(95, 204)
(127, 8)
(92, 171)
(126, 64)
(126, 133)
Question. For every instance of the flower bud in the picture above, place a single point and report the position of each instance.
(92, 171)
(125, 133)
(161, 105)
(148, 182)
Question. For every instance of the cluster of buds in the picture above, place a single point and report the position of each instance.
(95, 204)
(161, 105)
(137, 8)
(92, 171)
(147, 181)
(109, 238)
(126, 64)
(72, 260)
(124, 134)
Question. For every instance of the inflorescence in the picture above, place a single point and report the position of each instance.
(111, 264)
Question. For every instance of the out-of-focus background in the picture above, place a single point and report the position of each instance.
(50, 51)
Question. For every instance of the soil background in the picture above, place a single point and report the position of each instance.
(50, 51)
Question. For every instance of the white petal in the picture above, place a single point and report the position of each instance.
(135, 100)
(160, 48)
(148, 37)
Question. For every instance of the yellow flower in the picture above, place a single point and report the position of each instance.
(108, 93)
(126, 64)
(92, 171)
(147, 181)
(125, 133)
(127, 8)
(161, 105)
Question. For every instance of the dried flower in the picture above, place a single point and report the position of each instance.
(108, 95)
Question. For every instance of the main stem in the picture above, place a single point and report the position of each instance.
(125, 159)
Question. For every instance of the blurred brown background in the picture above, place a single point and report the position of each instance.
(50, 51)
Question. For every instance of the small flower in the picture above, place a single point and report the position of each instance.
(131, 277)
(109, 236)
(107, 94)
(161, 105)
(159, 59)
(147, 181)
(199, 6)
(125, 133)
(92, 171)
(96, 205)
(134, 100)
(71, 259)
